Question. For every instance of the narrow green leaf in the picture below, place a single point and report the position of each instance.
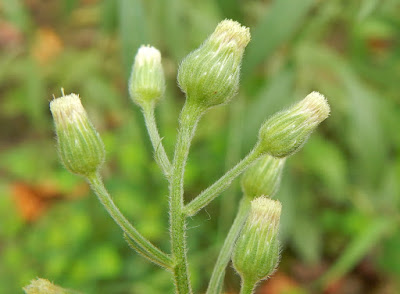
(306, 239)
(327, 163)
(363, 131)
(357, 249)
(281, 21)
(173, 30)
(133, 30)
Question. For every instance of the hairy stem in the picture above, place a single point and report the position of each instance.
(247, 287)
(217, 278)
(222, 184)
(159, 152)
(147, 249)
(189, 118)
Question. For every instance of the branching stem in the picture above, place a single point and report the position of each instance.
(217, 277)
(147, 249)
(222, 184)
(189, 118)
(159, 152)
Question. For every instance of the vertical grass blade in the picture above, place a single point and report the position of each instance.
(133, 30)
(281, 21)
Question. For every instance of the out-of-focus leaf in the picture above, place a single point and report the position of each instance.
(11, 223)
(109, 15)
(272, 31)
(132, 29)
(173, 31)
(363, 132)
(35, 98)
(370, 236)
(288, 197)
(306, 239)
(327, 163)
(389, 195)
(389, 258)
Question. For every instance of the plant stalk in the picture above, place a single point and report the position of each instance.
(189, 118)
(247, 287)
(147, 249)
(159, 152)
(217, 278)
(222, 184)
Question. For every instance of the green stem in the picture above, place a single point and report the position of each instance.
(222, 184)
(189, 118)
(228, 205)
(247, 287)
(217, 277)
(147, 248)
(159, 152)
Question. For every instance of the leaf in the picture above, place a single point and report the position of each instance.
(173, 32)
(362, 131)
(306, 238)
(357, 249)
(389, 258)
(325, 161)
(278, 26)
(132, 29)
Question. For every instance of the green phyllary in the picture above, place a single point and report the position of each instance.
(80, 146)
(256, 253)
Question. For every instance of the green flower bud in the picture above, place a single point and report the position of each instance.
(43, 286)
(263, 178)
(256, 253)
(147, 82)
(210, 75)
(80, 146)
(285, 132)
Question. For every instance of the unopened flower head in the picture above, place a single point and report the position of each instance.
(263, 178)
(256, 253)
(80, 146)
(147, 82)
(285, 132)
(210, 75)
(43, 286)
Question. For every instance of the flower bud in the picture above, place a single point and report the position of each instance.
(147, 82)
(285, 132)
(80, 146)
(263, 178)
(256, 253)
(43, 286)
(210, 75)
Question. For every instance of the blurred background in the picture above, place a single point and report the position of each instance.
(340, 193)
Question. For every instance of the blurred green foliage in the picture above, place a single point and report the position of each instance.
(340, 194)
